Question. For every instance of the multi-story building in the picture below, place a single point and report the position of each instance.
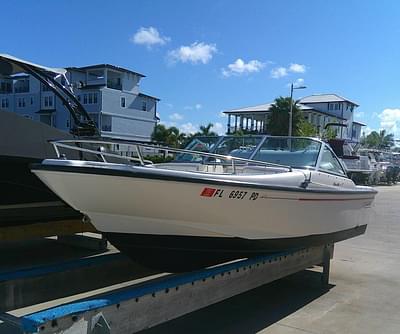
(110, 95)
(318, 110)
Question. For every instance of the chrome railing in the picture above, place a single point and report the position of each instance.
(71, 144)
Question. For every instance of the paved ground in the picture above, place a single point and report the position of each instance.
(364, 296)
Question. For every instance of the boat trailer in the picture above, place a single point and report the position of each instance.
(166, 297)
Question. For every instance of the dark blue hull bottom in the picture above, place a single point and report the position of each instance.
(187, 253)
(24, 199)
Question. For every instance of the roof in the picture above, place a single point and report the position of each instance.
(262, 108)
(152, 97)
(15, 65)
(258, 108)
(324, 98)
(362, 124)
(109, 66)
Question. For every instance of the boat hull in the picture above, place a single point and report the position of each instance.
(24, 199)
(150, 218)
(185, 253)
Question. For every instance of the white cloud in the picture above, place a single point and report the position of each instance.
(359, 114)
(197, 106)
(299, 82)
(219, 128)
(175, 117)
(194, 53)
(149, 37)
(390, 120)
(221, 114)
(239, 67)
(279, 72)
(189, 128)
(168, 124)
(367, 130)
(297, 68)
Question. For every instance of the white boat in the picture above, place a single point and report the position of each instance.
(253, 195)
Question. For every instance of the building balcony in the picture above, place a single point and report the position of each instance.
(21, 89)
(96, 82)
(114, 83)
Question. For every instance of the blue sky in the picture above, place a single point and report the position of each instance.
(203, 57)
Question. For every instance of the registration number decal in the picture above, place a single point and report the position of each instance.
(234, 194)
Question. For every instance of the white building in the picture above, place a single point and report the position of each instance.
(318, 110)
(110, 95)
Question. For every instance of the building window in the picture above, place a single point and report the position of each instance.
(22, 86)
(5, 87)
(144, 105)
(4, 103)
(31, 100)
(21, 102)
(123, 102)
(89, 98)
(106, 123)
(337, 106)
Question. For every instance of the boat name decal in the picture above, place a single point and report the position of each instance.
(234, 194)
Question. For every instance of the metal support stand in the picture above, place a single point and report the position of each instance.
(326, 264)
(161, 299)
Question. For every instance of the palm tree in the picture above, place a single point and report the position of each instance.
(168, 136)
(385, 140)
(379, 140)
(206, 130)
(278, 122)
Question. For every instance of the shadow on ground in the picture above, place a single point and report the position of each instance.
(30, 253)
(252, 311)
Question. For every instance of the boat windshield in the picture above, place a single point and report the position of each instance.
(199, 144)
(294, 152)
(238, 146)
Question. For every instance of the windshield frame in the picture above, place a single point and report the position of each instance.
(264, 138)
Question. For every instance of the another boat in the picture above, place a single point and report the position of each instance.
(24, 198)
(255, 195)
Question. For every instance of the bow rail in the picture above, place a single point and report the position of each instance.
(73, 144)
